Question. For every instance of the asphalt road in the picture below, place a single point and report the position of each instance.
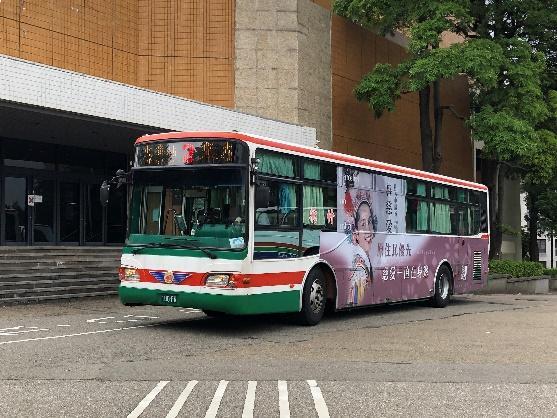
(481, 356)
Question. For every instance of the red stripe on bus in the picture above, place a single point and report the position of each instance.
(240, 280)
(485, 236)
(315, 152)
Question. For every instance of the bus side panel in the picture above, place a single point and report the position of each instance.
(401, 266)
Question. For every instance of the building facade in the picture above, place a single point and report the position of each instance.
(79, 80)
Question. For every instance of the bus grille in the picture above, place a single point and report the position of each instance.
(477, 272)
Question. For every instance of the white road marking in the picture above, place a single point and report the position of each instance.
(147, 399)
(147, 316)
(215, 403)
(177, 407)
(99, 319)
(250, 400)
(11, 328)
(23, 331)
(318, 400)
(78, 334)
(284, 406)
(63, 325)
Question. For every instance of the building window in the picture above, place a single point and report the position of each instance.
(541, 246)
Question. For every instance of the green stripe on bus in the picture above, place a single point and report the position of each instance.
(275, 302)
(186, 252)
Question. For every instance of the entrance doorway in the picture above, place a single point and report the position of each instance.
(39, 210)
(49, 195)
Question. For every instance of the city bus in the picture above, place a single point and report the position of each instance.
(233, 223)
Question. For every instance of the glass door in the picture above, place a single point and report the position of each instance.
(70, 207)
(93, 215)
(15, 210)
(43, 210)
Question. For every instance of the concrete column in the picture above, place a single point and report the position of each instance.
(283, 62)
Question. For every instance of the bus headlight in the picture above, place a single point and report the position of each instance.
(128, 274)
(218, 280)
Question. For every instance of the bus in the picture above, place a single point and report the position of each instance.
(233, 223)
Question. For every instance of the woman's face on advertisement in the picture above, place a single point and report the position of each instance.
(364, 227)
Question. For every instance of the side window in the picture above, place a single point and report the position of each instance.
(276, 204)
(417, 215)
(277, 224)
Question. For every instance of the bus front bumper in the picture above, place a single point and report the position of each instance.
(270, 299)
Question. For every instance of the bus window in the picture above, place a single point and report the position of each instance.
(276, 164)
(319, 214)
(276, 204)
(417, 215)
(314, 170)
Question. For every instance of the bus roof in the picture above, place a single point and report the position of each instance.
(316, 152)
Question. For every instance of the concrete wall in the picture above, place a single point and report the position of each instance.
(282, 65)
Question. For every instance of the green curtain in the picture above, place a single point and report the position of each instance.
(423, 209)
(313, 198)
(440, 213)
(312, 171)
(276, 164)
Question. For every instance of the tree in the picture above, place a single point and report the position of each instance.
(427, 62)
(502, 53)
(517, 118)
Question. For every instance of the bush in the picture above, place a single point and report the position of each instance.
(550, 272)
(517, 268)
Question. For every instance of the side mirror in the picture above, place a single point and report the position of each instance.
(104, 193)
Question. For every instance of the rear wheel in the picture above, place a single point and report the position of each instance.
(442, 288)
(314, 298)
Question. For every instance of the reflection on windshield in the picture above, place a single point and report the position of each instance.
(205, 207)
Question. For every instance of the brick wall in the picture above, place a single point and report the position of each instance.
(181, 47)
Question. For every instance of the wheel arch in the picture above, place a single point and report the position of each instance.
(330, 280)
(446, 263)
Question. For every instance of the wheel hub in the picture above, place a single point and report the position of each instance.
(316, 297)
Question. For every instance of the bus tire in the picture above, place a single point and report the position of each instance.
(314, 298)
(442, 293)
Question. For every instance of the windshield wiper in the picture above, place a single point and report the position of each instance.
(139, 247)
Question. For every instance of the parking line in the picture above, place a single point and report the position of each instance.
(284, 406)
(215, 403)
(250, 400)
(177, 407)
(147, 399)
(318, 400)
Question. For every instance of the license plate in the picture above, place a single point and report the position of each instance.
(168, 298)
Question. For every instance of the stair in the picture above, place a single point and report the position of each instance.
(30, 274)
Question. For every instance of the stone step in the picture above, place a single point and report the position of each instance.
(37, 298)
(59, 292)
(25, 266)
(61, 254)
(42, 275)
(24, 286)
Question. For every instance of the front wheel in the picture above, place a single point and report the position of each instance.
(314, 298)
(442, 288)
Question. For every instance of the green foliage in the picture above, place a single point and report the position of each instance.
(550, 272)
(516, 268)
(380, 88)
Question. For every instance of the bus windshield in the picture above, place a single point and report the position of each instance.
(201, 207)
